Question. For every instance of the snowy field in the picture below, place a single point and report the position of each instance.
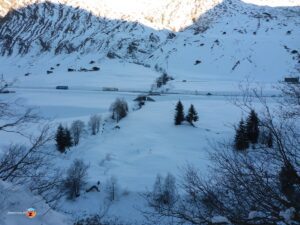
(124, 48)
(146, 144)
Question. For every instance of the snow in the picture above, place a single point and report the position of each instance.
(147, 142)
(156, 14)
(256, 215)
(129, 77)
(15, 199)
(288, 215)
(147, 138)
(220, 219)
(274, 3)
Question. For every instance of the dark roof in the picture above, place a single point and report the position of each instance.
(292, 79)
(144, 98)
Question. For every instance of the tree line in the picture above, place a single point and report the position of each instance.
(67, 137)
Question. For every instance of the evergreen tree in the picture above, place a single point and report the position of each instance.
(68, 138)
(60, 139)
(179, 115)
(270, 140)
(241, 140)
(192, 115)
(252, 127)
(288, 177)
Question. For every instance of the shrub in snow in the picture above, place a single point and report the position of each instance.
(132, 47)
(119, 109)
(169, 190)
(163, 80)
(112, 189)
(164, 192)
(99, 220)
(157, 193)
(266, 138)
(94, 124)
(77, 129)
(76, 178)
(179, 113)
(95, 68)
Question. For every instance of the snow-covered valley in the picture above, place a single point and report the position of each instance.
(99, 51)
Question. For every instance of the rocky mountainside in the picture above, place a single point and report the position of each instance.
(234, 36)
(169, 14)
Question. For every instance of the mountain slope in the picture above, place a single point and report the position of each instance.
(227, 41)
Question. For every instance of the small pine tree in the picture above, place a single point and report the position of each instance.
(252, 127)
(68, 138)
(179, 115)
(60, 139)
(192, 115)
(288, 177)
(270, 140)
(241, 140)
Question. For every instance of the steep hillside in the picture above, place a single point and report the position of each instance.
(195, 41)
(169, 14)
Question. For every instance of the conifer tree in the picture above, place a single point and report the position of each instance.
(68, 138)
(270, 140)
(60, 139)
(192, 115)
(179, 114)
(241, 140)
(252, 127)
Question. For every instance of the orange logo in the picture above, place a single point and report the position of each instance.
(31, 213)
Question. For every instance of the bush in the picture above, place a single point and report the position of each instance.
(99, 220)
(164, 192)
(94, 124)
(95, 68)
(112, 189)
(163, 80)
(119, 109)
(77, 129)
(76, 178)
